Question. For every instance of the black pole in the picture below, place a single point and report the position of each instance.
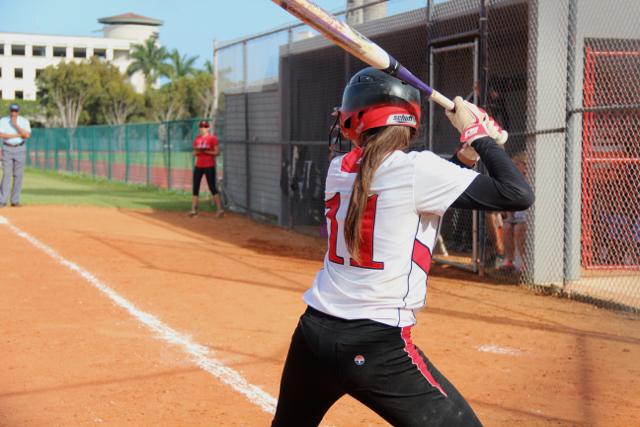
(425, 103)
(483, 54)
(290, 114)
(247, 154)
(484, 80)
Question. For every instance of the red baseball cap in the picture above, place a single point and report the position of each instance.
(203, 124)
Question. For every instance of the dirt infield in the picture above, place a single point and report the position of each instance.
(70, 356)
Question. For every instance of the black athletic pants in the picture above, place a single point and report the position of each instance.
(210, 173)
(374, 363)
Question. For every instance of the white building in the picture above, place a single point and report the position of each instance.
(23, 55)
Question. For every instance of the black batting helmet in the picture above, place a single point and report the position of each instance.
(373, 99)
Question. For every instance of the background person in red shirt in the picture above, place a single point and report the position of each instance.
(205, 150)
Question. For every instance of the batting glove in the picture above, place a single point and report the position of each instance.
(473, 123)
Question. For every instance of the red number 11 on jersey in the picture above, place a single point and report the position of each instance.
(366, 234)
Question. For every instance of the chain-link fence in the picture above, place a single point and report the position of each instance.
(156, 154)
(563, 77)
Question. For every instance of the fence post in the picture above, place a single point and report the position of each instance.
(245, 79)
(573, 155)
(110, 154)
(286, 116)
(483, 65)
(148, 156)
(168, 156)
(30, 152)
(429, 65)
(93, 151)
(68, 163)
(38, 148)
(57, 149)
(79, 139)
(47, 133)
(126, 153)
(247, 154)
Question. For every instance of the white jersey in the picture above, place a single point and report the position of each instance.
(409, 194)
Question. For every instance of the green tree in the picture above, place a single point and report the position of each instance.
(202, 94)
(66, 89)
(202, 99)
(148, 58)
(208, 67)
(117, 99)
(171, 101)
(180, 65)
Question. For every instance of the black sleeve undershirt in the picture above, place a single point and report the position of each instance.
(505, 189)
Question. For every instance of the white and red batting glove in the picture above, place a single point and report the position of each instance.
(473, 123)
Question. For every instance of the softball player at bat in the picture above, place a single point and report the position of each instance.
(205, 150)
(383, 210)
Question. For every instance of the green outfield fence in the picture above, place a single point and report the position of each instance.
(154, 154)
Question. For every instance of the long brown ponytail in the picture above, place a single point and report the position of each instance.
(376, 144)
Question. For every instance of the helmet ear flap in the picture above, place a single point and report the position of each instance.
(335, 135)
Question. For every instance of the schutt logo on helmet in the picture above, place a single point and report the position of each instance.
(401, 119)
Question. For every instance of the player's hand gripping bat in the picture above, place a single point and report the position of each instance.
(361, 47)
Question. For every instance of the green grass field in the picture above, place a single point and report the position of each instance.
(52, 188)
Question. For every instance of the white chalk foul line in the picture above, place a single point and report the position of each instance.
(199, 353)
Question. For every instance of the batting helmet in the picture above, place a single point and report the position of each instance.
(374, 99)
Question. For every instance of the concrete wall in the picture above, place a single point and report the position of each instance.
(130, 31)
(546, 95)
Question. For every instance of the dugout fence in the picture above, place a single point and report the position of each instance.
(561, 76)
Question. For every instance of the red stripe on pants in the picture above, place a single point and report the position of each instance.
(412, 351)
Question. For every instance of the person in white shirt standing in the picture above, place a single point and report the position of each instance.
(14, 132)
(383, 211)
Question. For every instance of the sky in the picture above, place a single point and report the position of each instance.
(189, 25)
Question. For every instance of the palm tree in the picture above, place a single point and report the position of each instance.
(148, 58)
(180, 66)
(208, 67)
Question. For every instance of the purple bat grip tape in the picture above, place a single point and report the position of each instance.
(406, 76)
(397, 70)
